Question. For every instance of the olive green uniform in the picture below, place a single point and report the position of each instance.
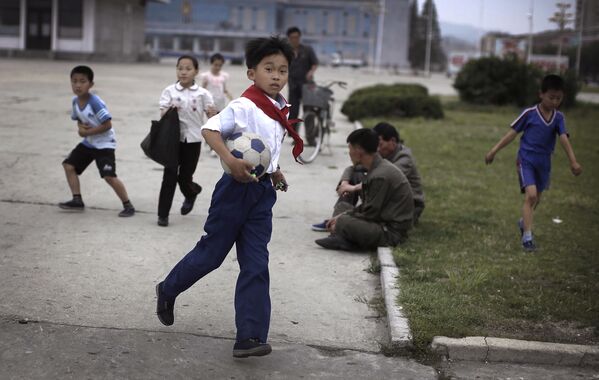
(404, 160)
(385, 214)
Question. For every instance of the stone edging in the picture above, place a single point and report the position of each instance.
(487, 349)
(399, 329)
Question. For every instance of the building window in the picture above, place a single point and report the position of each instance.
(70, 19)
(247, 18)
(227, 45)
(331, 24)
(165, 43)
(311, 24)
(351, 24)
(261, 18)
(10, 17)
(234, 17)
(186, 43)
(206, 44)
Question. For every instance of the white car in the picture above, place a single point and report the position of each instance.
(337, 60)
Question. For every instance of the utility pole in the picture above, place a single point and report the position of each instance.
(429, 40)
(379, 40)
(530, 23)
(481, 12)
(561, 18)
(580, 28)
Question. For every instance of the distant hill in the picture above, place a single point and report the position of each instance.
(463, 32)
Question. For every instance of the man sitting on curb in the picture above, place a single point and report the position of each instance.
(391, 148)
(385, 214)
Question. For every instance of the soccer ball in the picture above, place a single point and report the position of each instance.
(249, 147)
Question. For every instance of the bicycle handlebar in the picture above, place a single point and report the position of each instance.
(339, 83)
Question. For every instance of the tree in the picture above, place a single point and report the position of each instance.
(438, 57)
(414, 34)
(418, 41)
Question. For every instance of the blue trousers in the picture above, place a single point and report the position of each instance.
(240, 214)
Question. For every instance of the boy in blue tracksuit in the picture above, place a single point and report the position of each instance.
(241, 208)
(540, 125)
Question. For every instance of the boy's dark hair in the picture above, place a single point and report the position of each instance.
(193, 60)
(85, 70)
(552, 82)
(216, 57)
(258, 48)
(365, 138)
(387, 131)
(294, 29)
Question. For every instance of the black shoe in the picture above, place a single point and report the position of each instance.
(336, 242)
(163, 221)
(73, 204)
(251, 347)
(164, 307)
(188, 205)
(127, 211)
(529, 246)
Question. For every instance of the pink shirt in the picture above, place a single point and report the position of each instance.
(215, 84)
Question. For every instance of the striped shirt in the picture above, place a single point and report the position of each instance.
(94, 114)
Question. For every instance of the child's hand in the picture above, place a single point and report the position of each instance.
(278, 180)
(240, 170)
(211, 110)
(82, 130)
(82, 125)
(489, 157)
(576, 168)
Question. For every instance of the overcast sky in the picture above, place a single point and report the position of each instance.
(499, 15)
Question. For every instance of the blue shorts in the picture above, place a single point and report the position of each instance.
(534, 169)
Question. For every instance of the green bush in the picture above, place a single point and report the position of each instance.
(492, 80)
(397, 100)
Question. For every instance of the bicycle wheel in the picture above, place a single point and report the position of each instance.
(311, 132)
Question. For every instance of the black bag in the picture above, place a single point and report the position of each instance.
(162, 143)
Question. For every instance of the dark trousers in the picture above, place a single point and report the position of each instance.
(240, 214)
(295, 99)
(189, 153)
(347, 202)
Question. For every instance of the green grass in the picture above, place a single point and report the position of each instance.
(463, 272)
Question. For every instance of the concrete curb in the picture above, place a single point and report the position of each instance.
(489, 349)
(399, 329)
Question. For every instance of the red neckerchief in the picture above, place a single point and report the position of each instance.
(261, 100)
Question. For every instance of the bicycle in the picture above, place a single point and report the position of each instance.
(318, 104)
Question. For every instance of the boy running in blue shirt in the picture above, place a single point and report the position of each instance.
(95, 126)
(539, 126)
(241, 208)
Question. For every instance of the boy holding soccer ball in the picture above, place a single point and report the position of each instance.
(241, 209)
(540, 125)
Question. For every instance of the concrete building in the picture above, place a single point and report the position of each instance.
(98, 29)
(375, 31)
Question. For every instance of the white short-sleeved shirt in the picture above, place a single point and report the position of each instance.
(191, 103)
(215, 84)
(242, 115)
(94, 114)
